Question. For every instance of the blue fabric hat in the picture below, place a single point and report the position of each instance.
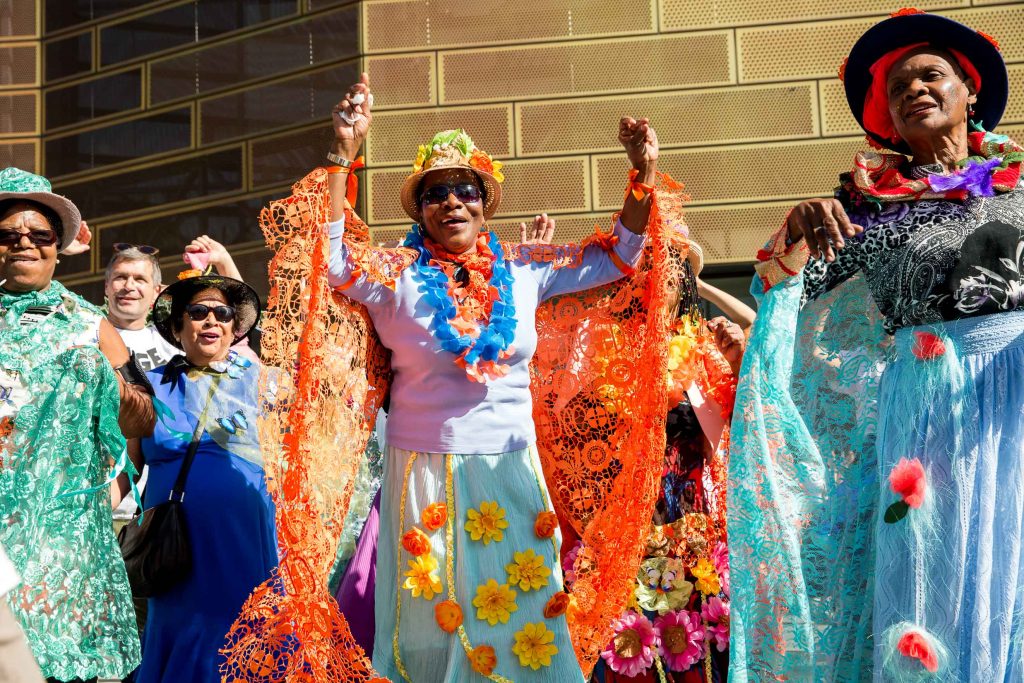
(907, 28)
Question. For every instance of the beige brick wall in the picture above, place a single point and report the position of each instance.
(743, 93)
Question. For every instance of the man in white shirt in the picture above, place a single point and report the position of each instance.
(16, 662)
(132, 282)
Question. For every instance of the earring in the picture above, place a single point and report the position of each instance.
(970, 111)
(58, 260)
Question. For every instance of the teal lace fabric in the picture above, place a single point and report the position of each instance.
(59, 450)
(803, 486)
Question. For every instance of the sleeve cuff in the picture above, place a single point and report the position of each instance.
(630, 246)
(781, 259)
(336, 228)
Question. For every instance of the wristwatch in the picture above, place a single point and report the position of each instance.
(339, 160)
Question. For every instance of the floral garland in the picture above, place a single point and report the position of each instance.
(684, 350)
(460, 310)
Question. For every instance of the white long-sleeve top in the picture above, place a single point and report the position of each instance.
(435, 407)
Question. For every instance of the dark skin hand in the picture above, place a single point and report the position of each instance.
(730, 341)
(928, 97)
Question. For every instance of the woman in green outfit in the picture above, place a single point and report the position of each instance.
(63, 409)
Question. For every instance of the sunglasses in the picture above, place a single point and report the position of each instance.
(38, 238)
(143, 248)
(438, 194)
(198, 312)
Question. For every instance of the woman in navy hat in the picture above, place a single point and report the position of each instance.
(877, 476)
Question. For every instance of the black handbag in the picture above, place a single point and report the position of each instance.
(157, 554)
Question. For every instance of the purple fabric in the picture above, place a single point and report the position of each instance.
(976, 178)
(355, 593)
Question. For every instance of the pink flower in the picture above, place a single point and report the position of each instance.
(928, 346)
(682, 639)
(908, 480)
(569, 564)
(633, 645)
(716, 613)
(720, 558)
(914, 645)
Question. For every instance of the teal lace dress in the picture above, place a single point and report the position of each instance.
(60, 447)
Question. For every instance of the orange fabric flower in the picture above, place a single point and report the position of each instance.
(415, 542)
(434, 516)
(6, 427)
(448, 615)
(483, 660)
(546, 524)
(191, 272)
(907, 12)
(916, 646)
(557, 605)
(928, 346)
(991, 39)
(909, 481)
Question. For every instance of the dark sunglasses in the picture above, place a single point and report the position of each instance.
(144, 248)
(39, 238)
(438, 194)
(198, 312)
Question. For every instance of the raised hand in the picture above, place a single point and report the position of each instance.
(80, 244)
(824, 224)
(351, 118)
(542, 231)
(640, 141)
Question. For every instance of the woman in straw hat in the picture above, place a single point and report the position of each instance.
(62, 413)
(460, 325)
(877, 469)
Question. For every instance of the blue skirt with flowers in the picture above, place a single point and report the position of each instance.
(466, 573)
(949, 566)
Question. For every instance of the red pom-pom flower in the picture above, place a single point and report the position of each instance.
(909, 481)
(915, 646)
(928, 346)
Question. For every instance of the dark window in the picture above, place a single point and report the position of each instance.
(147, 188)
(292, 102)
(68, 56)
(320, 40)
(81, 102)
(232, 222)
(177, 26)
(287, 158)
(61, 14)
(119, 142)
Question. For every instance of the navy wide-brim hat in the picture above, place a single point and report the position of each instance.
(907, 28)
(176, 296)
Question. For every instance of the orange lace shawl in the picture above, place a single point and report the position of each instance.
(599, 404)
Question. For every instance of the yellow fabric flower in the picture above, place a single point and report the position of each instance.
(707, 577)
(528, 571)
(494, 602)
(421, 579)
(421, 155)
(498, 175)
(487, 524)
(535, 645)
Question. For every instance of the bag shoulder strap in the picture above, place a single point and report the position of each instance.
(178, 492)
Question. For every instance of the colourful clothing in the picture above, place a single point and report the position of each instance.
(228, 513)
(58, 440)
(435, 409)
(495, 417)
(875, 503)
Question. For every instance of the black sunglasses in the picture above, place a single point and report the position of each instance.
(198, 312)
(143, 248)
(39, 238)
(438, 194)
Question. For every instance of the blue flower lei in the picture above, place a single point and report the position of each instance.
(497, 336)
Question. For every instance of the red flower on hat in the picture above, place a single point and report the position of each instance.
(995, 43)
(842, 69)
(915, 646)
(907, 12)
(928, 346)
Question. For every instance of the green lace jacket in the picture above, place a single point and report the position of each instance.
(60, 447)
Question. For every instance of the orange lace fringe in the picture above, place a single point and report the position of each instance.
(599, 404)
